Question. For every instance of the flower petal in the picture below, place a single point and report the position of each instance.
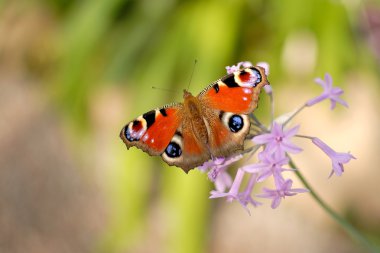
(262, 138)
(338, 168)
(276, 202)
(329, 92)
(332, 104)
(223, 181)
(328, 80)
(316, 100)
(320, 81)
(265, 66)
(264, 176)
(341, 101)
(290, 147)
(216, 194)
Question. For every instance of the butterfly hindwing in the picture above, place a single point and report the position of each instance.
(185, 150)
(229, 132)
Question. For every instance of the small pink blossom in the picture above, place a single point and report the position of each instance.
(329, 92)
(265, 66)
(269, 165)
(273, 161)
(233, 68)
(234, 190)
(268, 89)
(223, 180)
(284, 190)
(337, 159)
(244, 197)
(217, 171)
(278, 140)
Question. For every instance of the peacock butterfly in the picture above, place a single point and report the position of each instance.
(212, 124)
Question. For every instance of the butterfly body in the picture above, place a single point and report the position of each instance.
(212, 124)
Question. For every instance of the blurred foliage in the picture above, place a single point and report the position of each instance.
(138, 44)
(143, 42)
(133, 45)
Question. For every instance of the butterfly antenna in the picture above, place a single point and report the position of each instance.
(192, 72)
(163, 89)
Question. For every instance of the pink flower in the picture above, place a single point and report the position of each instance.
(244, 197)
(329, 92)
(233, 68)
(285, 189)
(278, 140)
(337, 159)
(223, 180)
(217, 171)
(268, 89)
(269, 165)
(265, 66)
(234, 190)
(273, 161)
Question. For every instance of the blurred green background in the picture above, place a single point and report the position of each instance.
(73, 73)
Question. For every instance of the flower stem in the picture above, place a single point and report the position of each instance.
(271, 107)
(294, 114)
(348, 227)
(258, 123)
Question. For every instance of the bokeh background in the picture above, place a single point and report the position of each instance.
(72, 73)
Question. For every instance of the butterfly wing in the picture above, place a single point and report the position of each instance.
(167, 132)
(153, 130)
(237, 92)
(226, 104)
(185, 150)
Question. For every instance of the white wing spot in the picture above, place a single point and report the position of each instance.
(146, 137)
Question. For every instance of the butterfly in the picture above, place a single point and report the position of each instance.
(213, 124)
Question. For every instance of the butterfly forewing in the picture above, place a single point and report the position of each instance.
(235, 92)
(153, 130)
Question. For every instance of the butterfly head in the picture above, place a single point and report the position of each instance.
(187, 94)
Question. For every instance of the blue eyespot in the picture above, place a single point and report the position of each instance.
(128, 135)
(235, 123)
(258, 76)
(173, 150)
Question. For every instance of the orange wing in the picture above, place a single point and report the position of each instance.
(153, 130)
(166, 132)
(237, 92)
(193, 151)
(226, 104)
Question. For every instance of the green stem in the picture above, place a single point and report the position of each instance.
(293, 115)
(348, 227)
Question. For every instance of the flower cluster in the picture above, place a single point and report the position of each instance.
(273, 146)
